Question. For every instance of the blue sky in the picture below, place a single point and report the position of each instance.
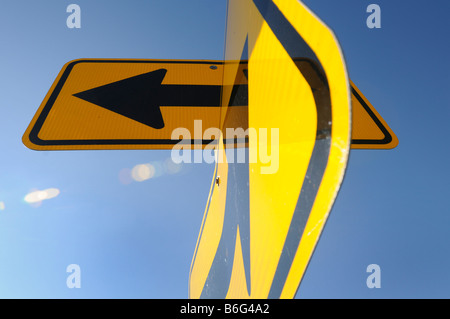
(136, 239)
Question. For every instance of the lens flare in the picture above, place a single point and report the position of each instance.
(142, 172)
(38, 196)
(146, 171)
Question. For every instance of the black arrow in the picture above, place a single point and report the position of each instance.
(140, 97)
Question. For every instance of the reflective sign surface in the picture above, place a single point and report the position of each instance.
(265, 213)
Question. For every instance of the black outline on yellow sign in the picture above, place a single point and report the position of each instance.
(387, 136)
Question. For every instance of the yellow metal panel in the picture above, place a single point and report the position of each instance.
(319, 37)
(210, 231)
(273, 197)
(214, 218)
(289, 198)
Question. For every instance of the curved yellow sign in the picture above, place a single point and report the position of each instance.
(267, 207)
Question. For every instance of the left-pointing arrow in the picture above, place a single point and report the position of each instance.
(140, 97)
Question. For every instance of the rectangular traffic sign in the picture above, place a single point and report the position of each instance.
(137, 104)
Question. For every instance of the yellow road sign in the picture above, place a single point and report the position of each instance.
(264, 215)
(137, 104)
